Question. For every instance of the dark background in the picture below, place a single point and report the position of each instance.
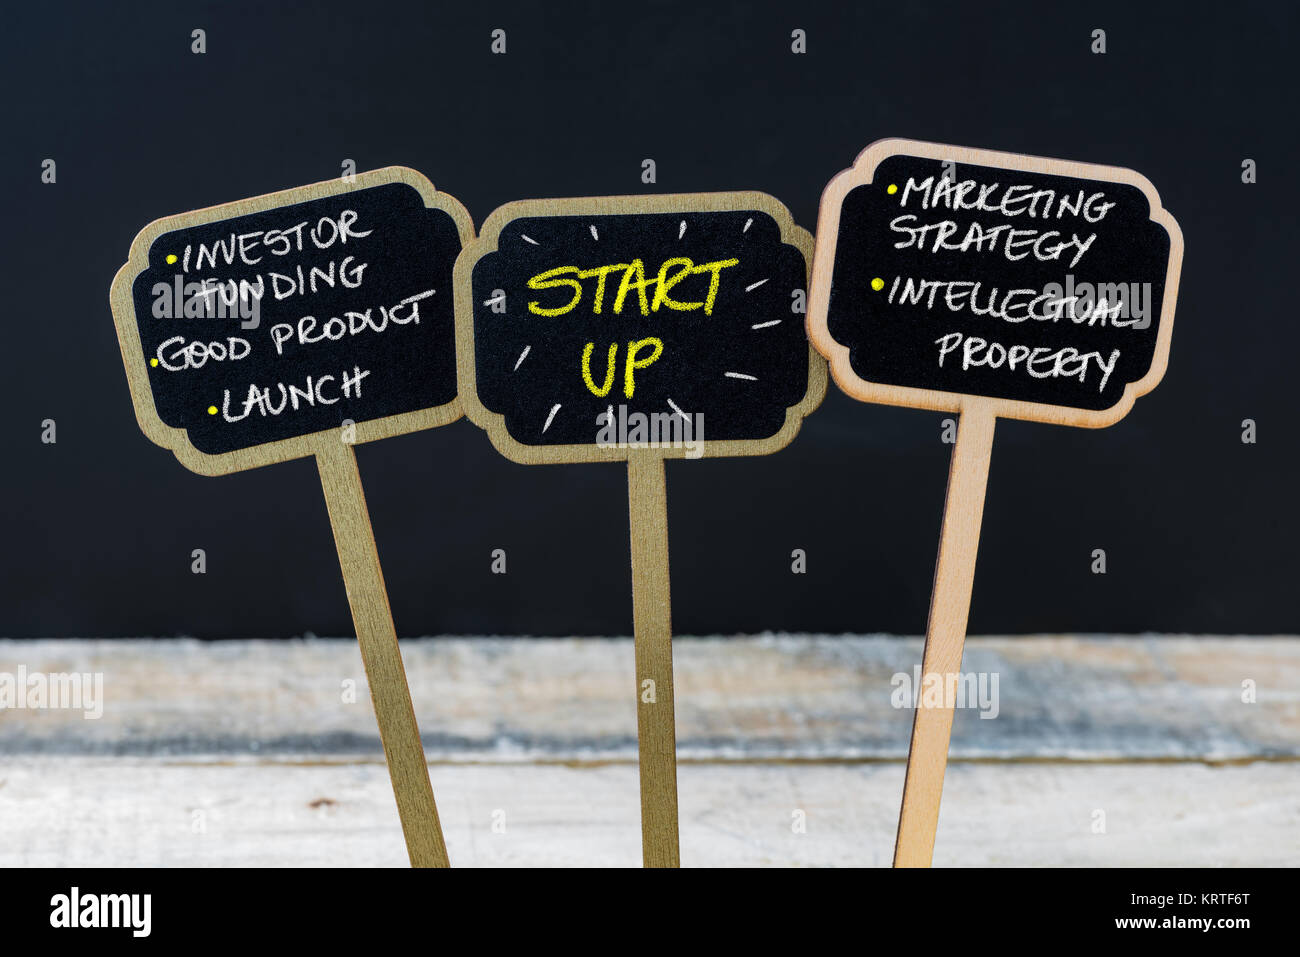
(1198, 528)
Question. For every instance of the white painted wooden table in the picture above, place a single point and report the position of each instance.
(265, 753)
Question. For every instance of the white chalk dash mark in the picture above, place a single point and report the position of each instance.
(520, 361)
(678, 410)
(555, 408)
(764, 325)
(594, 235)
(494, 300)
(529, 239)
(417, 297)
(681, 230)
(749, 222)
(609, 415)
(754, 285)
(741, 375)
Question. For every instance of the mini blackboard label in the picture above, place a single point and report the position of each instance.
(257, 324)
(589, 328)
(1043, 285)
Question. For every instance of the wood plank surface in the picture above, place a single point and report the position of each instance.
(761, 698)
(265, 753)
(94, 811)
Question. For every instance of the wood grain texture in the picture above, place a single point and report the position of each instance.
(251, 812)
(243, 753)
(368, 599)
(652, 623)
(793, 698)
(954, 576)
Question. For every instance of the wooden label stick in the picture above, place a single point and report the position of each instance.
(945, 634)
(297, 324)
(986, 284)
(377, 637)
(639, 328)
(652, 625)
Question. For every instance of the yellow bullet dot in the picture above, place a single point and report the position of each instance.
(893, 188)
(212, 410)
(154, 363)
(877, 284)
(171, 258)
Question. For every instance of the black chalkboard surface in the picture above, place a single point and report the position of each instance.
(323, 306)
(1031, 282)
(584, 320)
